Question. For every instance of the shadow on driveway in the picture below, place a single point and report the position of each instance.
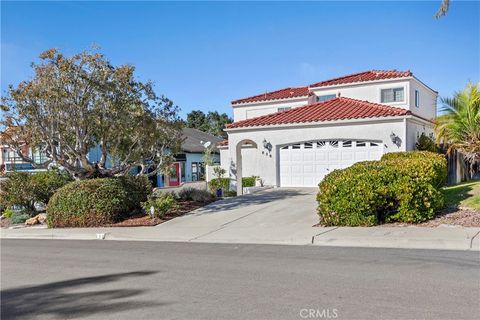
(258, 198)
(57, 299)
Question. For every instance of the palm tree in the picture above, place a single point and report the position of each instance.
(459, 126)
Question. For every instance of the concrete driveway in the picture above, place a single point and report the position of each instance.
(274, 215)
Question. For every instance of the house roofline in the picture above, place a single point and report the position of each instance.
(244, 104)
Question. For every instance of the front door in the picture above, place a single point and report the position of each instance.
(174, 179)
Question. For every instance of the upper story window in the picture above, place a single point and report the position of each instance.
(417, 99)
(392, 95)
(325, 97)
(283, 109)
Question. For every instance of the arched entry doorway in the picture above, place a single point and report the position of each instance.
(245, 143)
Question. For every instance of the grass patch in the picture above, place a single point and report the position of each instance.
(465, 194)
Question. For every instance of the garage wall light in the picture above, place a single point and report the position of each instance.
(396, 140)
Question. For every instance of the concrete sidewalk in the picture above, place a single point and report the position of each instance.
(443, 237)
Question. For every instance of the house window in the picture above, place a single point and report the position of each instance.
(392, 95)
(361, 144)
(320, 144)
(308, 145)
(283, 109)
(417, 99)
(334, 144)
(296, 146)
(325, 97)
(198, 171)
(347, 144)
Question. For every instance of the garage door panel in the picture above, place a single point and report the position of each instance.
(307, 166)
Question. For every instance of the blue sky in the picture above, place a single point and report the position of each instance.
(202, 55)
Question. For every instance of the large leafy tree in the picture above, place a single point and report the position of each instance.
(212, 122)
(77, 104)
(459, 126)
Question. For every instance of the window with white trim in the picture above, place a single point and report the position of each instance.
(325, 97)
(417, 99)
(392, 95)
(283, 109)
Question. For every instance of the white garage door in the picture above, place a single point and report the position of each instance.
(306, 164)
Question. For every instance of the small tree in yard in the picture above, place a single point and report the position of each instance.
(458, 128)
(425, 143)
(74, 104)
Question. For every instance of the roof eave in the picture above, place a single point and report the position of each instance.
(242, 104)
(313, 123)
(361, 82)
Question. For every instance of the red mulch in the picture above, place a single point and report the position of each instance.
(141, 220)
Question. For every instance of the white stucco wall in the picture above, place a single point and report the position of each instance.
(368, 91)
(257, 109)
(414, 129)
(261, 163)
(428, 100)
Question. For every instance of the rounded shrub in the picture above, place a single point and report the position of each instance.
(217, 183)
(248, 181)
(96, 202)
(402, 187)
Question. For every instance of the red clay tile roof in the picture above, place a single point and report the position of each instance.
(364, 76)
(335, 109)
(294, 92)
(222, 143)
(275, 95)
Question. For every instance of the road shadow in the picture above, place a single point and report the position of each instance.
(63, 299)
(252, 199)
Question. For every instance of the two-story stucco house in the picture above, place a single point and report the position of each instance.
(293, 137)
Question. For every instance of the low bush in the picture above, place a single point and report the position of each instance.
(19, 216)
(195, 195)
(217, 183)
(248, 181)
(18, 191)
(161, 204)
(23, 189)
(47, 182)
(7, 214)
(138, 187)
(95, 202)
(403, 187)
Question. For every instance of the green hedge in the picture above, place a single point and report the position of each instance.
(402, 187)
(24, 189)
(217, 183)
(248, 181)
(96, 202)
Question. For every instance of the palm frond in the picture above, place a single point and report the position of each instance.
(443, 9)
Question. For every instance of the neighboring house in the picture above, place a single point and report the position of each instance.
(189, 165)
(293, 137)
(10, 161)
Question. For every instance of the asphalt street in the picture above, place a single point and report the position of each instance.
(51, 279)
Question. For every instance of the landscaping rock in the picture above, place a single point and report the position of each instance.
(38, 219)
(42, 218)
(32, 221)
